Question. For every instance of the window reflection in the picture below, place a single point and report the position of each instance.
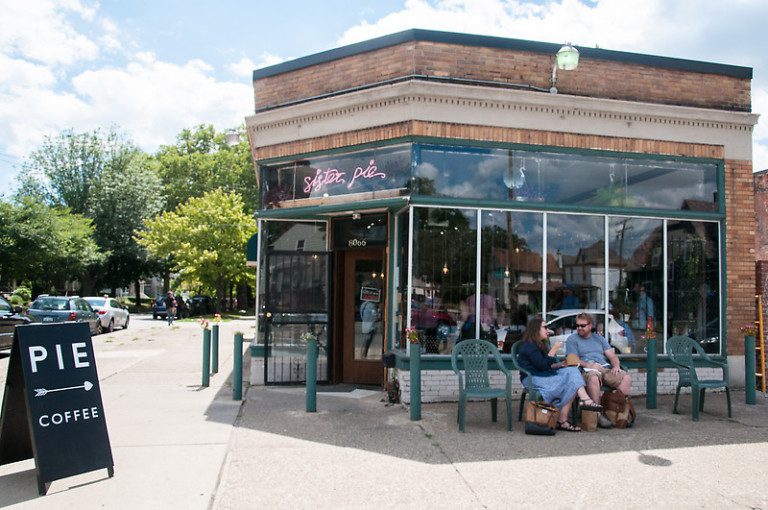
(444, 262)
(636, 278)
(693, 282)
(512, 269)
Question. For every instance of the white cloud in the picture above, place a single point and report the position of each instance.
(40, 31)
(154, 100)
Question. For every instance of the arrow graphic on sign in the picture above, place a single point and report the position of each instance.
(41, 392)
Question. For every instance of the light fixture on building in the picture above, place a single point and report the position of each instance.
(567, 59)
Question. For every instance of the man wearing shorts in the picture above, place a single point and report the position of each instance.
(598, 362)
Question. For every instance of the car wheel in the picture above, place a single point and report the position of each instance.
(99, 328)
(127, 320)
(154, 316)
(111, 326)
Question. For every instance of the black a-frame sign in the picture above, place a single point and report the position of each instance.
(52, 408)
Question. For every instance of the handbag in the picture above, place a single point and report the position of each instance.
(619, 409)
(541, 414)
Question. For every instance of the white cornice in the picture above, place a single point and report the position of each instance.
(508, 108)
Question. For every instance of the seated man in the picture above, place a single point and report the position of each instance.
(595, 353)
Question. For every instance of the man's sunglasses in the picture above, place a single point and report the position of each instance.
(582, 325)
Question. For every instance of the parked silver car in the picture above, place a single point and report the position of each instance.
(111, 313)
(49, 309)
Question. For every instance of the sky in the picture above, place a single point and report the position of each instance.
(154, 68)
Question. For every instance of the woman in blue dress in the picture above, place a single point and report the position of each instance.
(557, 383)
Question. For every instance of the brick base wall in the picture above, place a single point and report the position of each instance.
(443, 386)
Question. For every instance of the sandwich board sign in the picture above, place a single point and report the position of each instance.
(52, 408)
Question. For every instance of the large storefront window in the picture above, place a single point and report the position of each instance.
(636, 278)
(444, 276)
(511, 269)
(619, 277)
(693, 282)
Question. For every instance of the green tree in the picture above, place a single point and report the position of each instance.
(201, 160)
(65, 168)
(44, 245)
(102, 176)
(204, 239)
(121, 201)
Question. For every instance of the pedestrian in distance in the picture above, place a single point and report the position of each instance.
(170, 307)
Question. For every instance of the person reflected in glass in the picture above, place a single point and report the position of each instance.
(487, 315)
(558, 384)
(369, 316)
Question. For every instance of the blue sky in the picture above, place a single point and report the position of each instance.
(153, 68)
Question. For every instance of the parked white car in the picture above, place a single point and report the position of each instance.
(563, 323)
(111, 313)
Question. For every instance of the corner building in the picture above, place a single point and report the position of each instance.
(432, 181)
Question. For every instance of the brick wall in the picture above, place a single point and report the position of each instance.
(593, 77)
(489, 134)
(740, 250)
(761, 214)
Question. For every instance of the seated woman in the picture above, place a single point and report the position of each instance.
(557, 383)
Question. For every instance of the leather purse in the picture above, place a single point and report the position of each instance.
(541, 414)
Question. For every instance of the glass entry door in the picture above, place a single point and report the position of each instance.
(363, 316)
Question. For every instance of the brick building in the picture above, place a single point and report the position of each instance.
(433, 181)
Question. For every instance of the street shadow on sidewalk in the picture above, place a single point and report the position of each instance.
(366, 423)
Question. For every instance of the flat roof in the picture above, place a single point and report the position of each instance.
(416, 34)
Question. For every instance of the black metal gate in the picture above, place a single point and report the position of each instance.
(297, 301)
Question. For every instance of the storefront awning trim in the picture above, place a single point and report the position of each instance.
(319, 211)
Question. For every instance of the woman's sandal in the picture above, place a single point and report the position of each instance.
(566, 425)
(589, 405)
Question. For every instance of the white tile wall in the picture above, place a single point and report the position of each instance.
(443, 386)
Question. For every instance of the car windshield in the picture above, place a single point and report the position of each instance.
(51, 303)
(5, 306)
(96, 301)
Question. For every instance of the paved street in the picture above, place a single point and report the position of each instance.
(176, 445)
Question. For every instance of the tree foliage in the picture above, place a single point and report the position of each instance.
(204, 239)
(65, 168)
(121, 201)
(44, 245)
(106, 178)
(200, 161)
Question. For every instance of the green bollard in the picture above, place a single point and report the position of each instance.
(237, 368)
(750, 370)
(651, 375)
(312, 353)
(206, 357)
(215, 349)
(415, 367)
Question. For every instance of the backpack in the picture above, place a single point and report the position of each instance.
(618, 408)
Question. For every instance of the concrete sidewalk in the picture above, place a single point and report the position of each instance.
(177, 445)
(357, 452)
(169, 436)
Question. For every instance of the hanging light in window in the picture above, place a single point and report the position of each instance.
(445, 267)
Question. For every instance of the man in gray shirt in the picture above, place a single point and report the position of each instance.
(597, 360)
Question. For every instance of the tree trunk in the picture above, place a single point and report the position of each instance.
(137, 284)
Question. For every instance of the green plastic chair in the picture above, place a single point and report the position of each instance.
(681, 351)
(474, 382)
(528, 388)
